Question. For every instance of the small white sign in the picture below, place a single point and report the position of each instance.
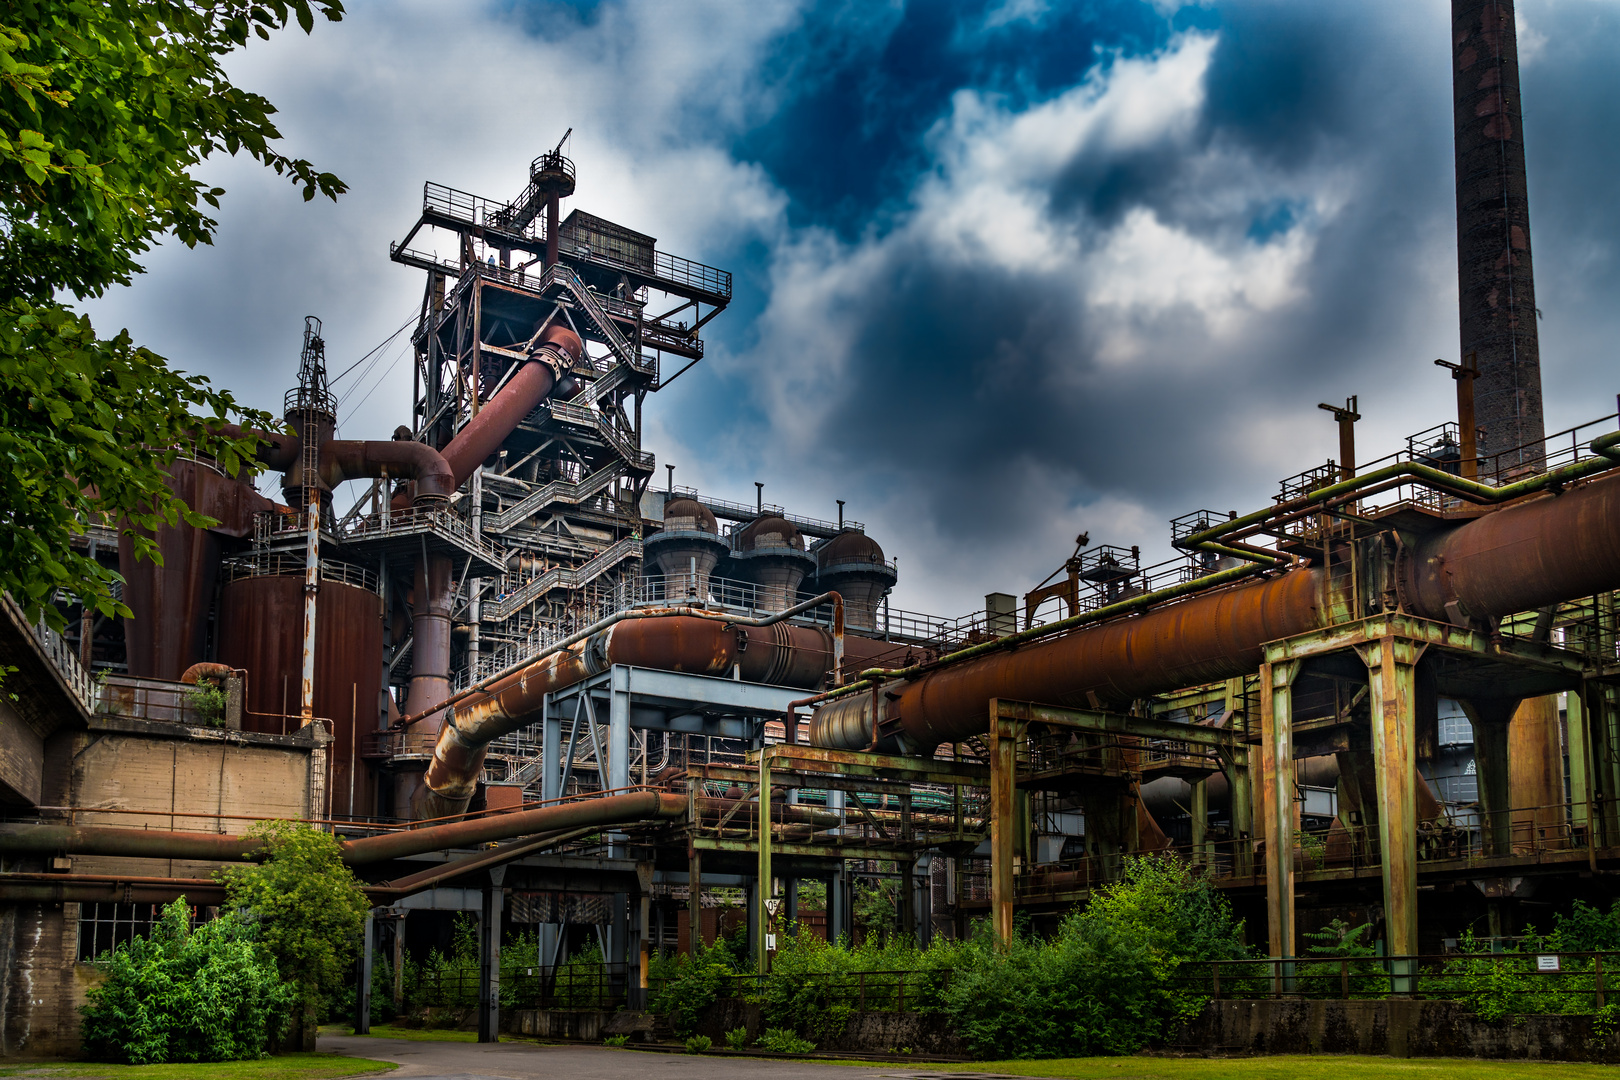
(1547, 963)
(770, 942)
(773, 905)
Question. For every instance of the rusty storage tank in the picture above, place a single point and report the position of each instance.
(261, 619)
(769, 552)
(852, 564)
(168, 629)
(686, 550)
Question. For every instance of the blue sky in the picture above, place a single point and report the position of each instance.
(1005, 271)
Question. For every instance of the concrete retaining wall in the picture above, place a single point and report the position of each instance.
(1396, 1028)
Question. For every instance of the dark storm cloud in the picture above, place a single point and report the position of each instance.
(964, 379)
(1000, 276)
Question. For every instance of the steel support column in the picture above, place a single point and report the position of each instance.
(694, 900)
(762, 890)
(1004, 735)
(1277, 773)
(1199, 811)
(362, 997)
(489, 959)
(551, 766)
(1491, 718)
(1392, 689)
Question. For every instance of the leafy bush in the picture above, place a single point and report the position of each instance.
(783, 1041)
(737, 1038)
(616, 1040)
(1106, 984)
(208, 702)
(685, 986)
(1347, 959)
(699, 1044)
(813, 987)
(209, 994)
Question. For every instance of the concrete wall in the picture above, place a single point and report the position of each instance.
(171, 776)
(1396, 1028)
(43, 983)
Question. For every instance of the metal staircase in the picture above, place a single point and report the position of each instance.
(572, 577)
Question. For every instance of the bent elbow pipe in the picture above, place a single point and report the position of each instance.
(354, 460)
(669, 643)
(276, 450)
(558, 351)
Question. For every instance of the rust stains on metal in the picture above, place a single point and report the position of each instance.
(1541, 551)
(1204, 639)
(559, 349)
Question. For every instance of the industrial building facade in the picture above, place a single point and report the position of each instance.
(1389, 695)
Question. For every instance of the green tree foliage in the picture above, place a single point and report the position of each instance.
(813, 987)
(683, 987)
(307, 906)
(209, 994)
(1107, 981)
(106, 110)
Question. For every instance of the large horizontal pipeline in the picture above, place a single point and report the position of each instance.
(633, 806)
(1543, 550)
(1218, 635)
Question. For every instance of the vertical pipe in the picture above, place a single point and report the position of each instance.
(1496, 290)
(552, 197)
(312, 585)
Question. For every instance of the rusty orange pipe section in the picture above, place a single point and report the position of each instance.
(558, 351)
(1204, 639)
(344, 459)
(671, 643)
(1544, 550)
(630, 806)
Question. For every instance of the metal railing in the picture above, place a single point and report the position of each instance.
(420, 519)
(582, 985)
(282, 564)
(893, 990)
(79, 681)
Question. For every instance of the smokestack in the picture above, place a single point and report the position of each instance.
(1496, 290)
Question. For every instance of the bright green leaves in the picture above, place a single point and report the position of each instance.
(183, 994)
(105, 109)
(87, 429)
(306, 903)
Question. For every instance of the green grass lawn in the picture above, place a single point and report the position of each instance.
(284, 1067)
(1283, 1067)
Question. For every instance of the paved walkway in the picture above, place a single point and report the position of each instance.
(528, 1061)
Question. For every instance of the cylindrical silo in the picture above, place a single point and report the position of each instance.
(261, 619)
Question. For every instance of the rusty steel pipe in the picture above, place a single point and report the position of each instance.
(17, 839)
(684, 639)
(206, 670)
(620, 809)
(1541, 551)
(347, 459)
(608, 810)
(558, 351)
(1218, 635)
